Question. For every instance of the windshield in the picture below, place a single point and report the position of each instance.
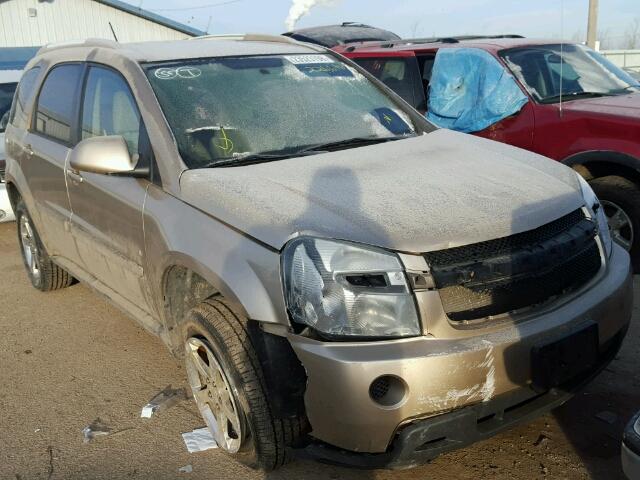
(221, 109)
(6, 96)
(581, 72)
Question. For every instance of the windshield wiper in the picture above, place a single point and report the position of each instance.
(574, 96)
(351, 142)
(254, 158)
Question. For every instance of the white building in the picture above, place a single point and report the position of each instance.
(38, 22)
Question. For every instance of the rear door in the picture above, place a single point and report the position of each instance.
(107, 209)
(43, 155)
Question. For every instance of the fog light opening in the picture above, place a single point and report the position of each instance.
(388, 391)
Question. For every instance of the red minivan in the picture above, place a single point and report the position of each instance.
(594, 127)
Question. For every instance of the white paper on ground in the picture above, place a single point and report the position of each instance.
(199, 440)
(147, 411)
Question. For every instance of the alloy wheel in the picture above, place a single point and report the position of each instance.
(213, 395)
(620, 224)
(29, 247)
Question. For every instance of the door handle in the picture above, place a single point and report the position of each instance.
(75, 176)
(28, 150)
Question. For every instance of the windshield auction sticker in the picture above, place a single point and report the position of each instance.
(319, 66)
(180, 72)
(309, 59)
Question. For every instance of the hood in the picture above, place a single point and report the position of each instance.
(439, 190)
(617, 106)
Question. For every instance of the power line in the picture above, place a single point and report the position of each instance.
(194, 8)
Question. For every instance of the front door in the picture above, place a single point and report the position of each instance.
(106, 219)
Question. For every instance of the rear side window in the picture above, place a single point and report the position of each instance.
(56, 103)
(26, 89)
(109, 108)
(400, 74)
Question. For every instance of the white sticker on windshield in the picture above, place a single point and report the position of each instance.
(309, 59)
(181, 72)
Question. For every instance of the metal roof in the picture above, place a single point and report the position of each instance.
(153, 17)
(157, 51)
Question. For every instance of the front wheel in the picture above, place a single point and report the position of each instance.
(229, 388)
(620, 199)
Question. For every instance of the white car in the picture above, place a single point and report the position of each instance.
(8, 82)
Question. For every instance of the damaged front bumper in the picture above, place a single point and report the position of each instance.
(445, 393)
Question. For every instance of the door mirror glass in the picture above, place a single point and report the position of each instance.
(106, 154)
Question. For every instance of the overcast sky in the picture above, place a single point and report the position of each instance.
(534, 18)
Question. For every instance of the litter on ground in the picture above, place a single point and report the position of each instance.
(164, 400)
(199, 440)
(95, 429)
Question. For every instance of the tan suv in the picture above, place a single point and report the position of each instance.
(338, 275)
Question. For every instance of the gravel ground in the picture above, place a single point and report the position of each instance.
(68, 358)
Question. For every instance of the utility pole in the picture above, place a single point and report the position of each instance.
(592, 27)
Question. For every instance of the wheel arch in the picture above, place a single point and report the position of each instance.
(601, 163)
(185, 285)
(14, 195)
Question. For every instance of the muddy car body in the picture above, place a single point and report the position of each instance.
(376, 290)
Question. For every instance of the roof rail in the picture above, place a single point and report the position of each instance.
(248, 37)
(421, 41)
(89, 42)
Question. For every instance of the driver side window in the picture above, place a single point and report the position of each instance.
(110, 109)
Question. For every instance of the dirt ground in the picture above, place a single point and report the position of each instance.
(68, 358)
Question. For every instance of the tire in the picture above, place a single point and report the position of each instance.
(265, 441)
(43, 273)
(620, 193)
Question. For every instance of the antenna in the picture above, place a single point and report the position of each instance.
(561, 52)
(113, 32)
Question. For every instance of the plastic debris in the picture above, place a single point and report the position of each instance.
(185, 469)
(95, 429)
(199, 440)
(164, 400)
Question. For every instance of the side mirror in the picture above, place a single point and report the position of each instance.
(107, 154)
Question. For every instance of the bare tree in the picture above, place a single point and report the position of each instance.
(415, 28)
(632, 36)
(607, 39)
(578, 36)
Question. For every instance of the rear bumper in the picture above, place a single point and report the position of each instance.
(486, 372)
(6, 212)
(631, 449)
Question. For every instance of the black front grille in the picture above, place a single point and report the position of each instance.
(512, 273)
(2, 169)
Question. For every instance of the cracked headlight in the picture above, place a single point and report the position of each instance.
(597, 211)
(341, 289)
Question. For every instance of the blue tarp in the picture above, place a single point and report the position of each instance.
(470, 90)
